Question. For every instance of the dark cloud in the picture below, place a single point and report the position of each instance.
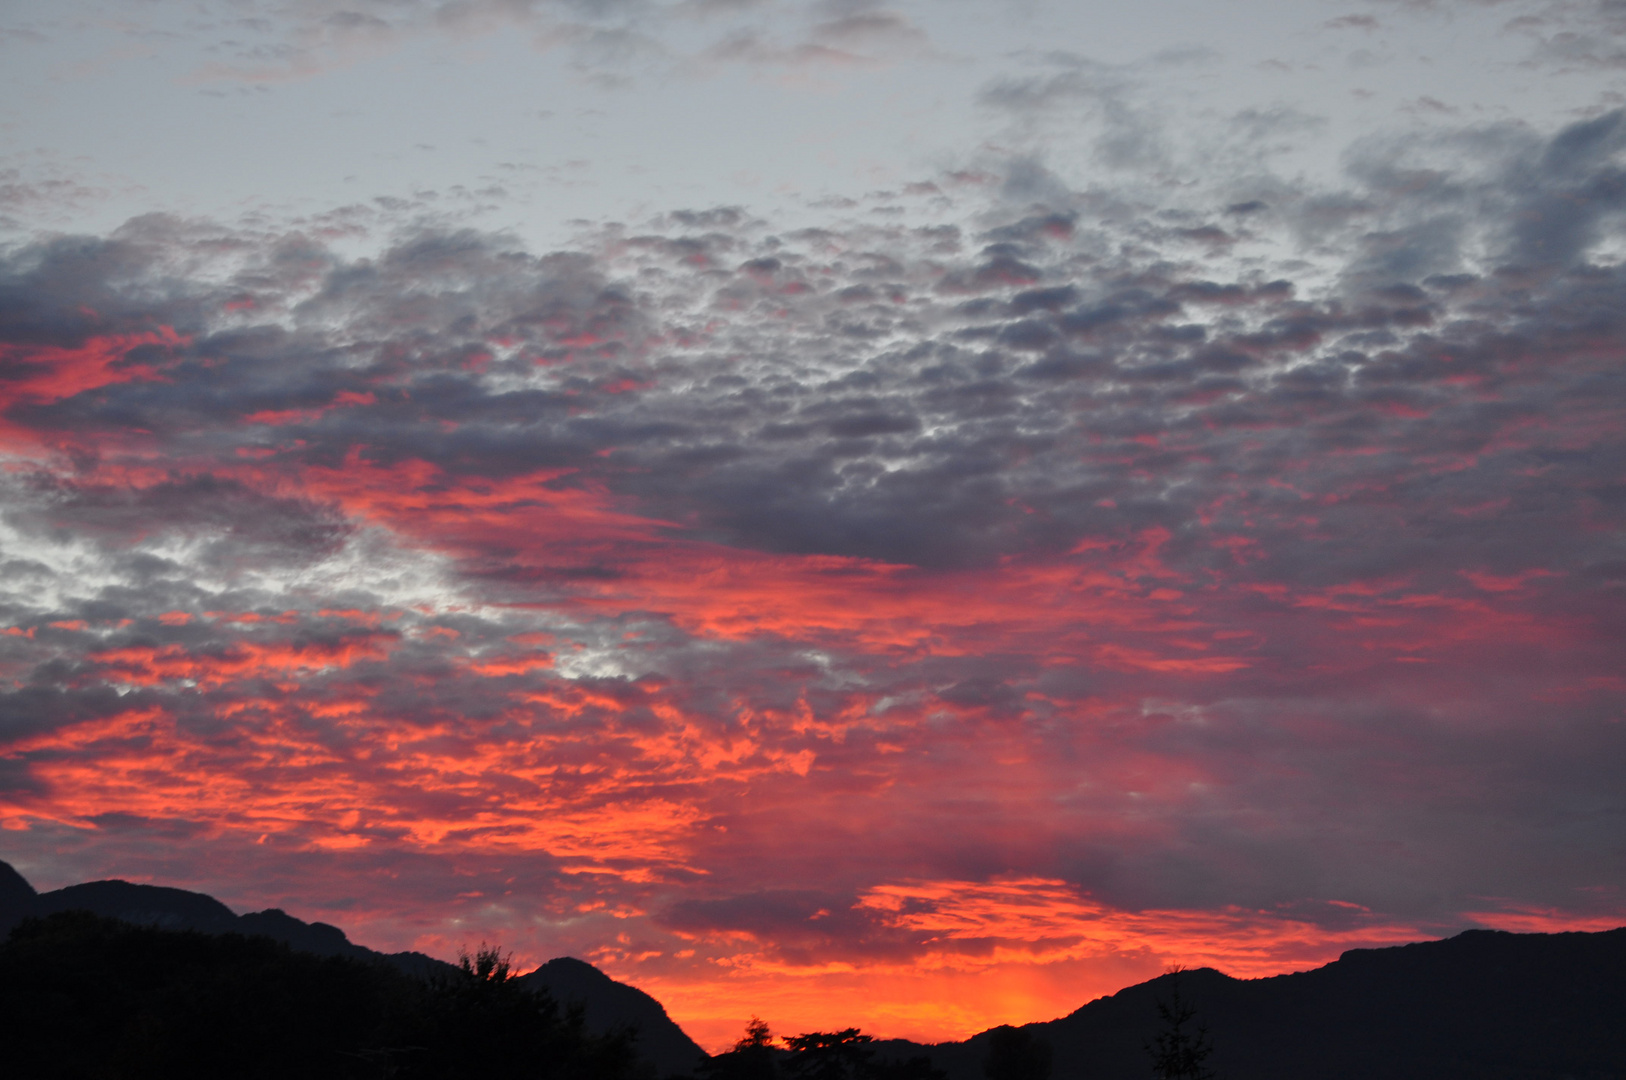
(799, 927)
(487, 361)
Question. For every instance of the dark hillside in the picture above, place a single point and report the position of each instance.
(610, 1006)
(84, 997)
(178, 909)
(144, 905)
(1485, 1005)
(16, 894)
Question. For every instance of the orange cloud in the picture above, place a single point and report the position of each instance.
(243, 659)
(52, 373)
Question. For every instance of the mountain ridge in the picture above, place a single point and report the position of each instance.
(1485, 1004)
(607, 1005)
(1482, 1004)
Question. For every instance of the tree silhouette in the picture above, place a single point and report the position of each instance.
(756, 1035)
(1178, 1051)
(829, 1055)
(482, 1022)
(488, 965)
(751, 1059)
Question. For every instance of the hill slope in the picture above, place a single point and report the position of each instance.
(607, 1005)
(1484, 1004)
(178, 909)
(83, 996)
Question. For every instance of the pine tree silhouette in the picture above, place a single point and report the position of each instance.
(1179, 1050)
(752, 1057)
(829, 1055)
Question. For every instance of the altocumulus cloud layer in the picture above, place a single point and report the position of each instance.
(979, 602)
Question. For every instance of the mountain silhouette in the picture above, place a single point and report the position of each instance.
(178, 909)
(16, 894)
(85, 996)
(1485, 1004)
(144, 905)
(609, 1005)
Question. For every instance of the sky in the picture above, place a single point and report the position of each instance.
(902, 514)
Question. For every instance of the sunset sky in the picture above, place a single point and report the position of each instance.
(903, 514)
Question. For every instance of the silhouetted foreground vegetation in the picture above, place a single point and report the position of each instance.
(1181, 1047)
(88, 997)
(815, 1055)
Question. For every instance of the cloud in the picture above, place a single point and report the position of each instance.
(51, 198)
(606, 41)
(1125, 118)
(1352, 22)
(1071, 582)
